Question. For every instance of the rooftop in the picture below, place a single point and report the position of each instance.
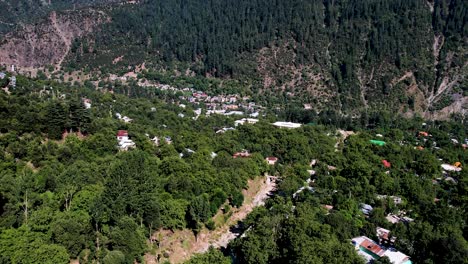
(372, 247)
(122, 133)
(287, 124)
(397, 257)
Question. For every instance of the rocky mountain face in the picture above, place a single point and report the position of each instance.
(50, 40)
(400, 56)
(20, 12)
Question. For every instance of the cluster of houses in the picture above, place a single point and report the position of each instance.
(424, 136)
(448, 173)
(245, 154)
(398, 217)
(232, 104)
(125, 143)
(371, 250)
(448, 170)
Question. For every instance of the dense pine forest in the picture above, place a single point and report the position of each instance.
(345, 54)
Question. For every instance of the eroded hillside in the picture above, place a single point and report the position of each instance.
(20, 12)
(49, 41)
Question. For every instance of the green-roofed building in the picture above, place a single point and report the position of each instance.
(378, 142)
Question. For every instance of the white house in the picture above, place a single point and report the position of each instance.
(287, 124)
(124, 142)
(218, 112)
(198, 111)
(256, 114)
(271, 160)
(87, 103)
(448, 167)
(155, 140)
(126, 119)
(234, 113)
(245, 120)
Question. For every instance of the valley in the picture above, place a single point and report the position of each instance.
(233, 132)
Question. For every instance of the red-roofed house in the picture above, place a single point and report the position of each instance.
(371, 251)
(386, 164)
(423, 134)
(124, 142)
(368, 247)
(372, 247)
(243, 154)
(271, 160)
(122, 135)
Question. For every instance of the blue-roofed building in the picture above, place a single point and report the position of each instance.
(366, 209)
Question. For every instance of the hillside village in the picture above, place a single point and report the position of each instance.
(233, 132)
(314, 166)
(366, 247)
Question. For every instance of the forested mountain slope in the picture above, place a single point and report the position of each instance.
(399, 55)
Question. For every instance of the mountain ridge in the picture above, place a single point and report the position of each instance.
(410, 59)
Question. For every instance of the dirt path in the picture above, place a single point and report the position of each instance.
(182, 244)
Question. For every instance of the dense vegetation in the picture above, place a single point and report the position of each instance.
(79, 197)
(353, 47)
(67, 192)
(300, 230)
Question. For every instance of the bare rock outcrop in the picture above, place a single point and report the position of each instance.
(49, 41)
